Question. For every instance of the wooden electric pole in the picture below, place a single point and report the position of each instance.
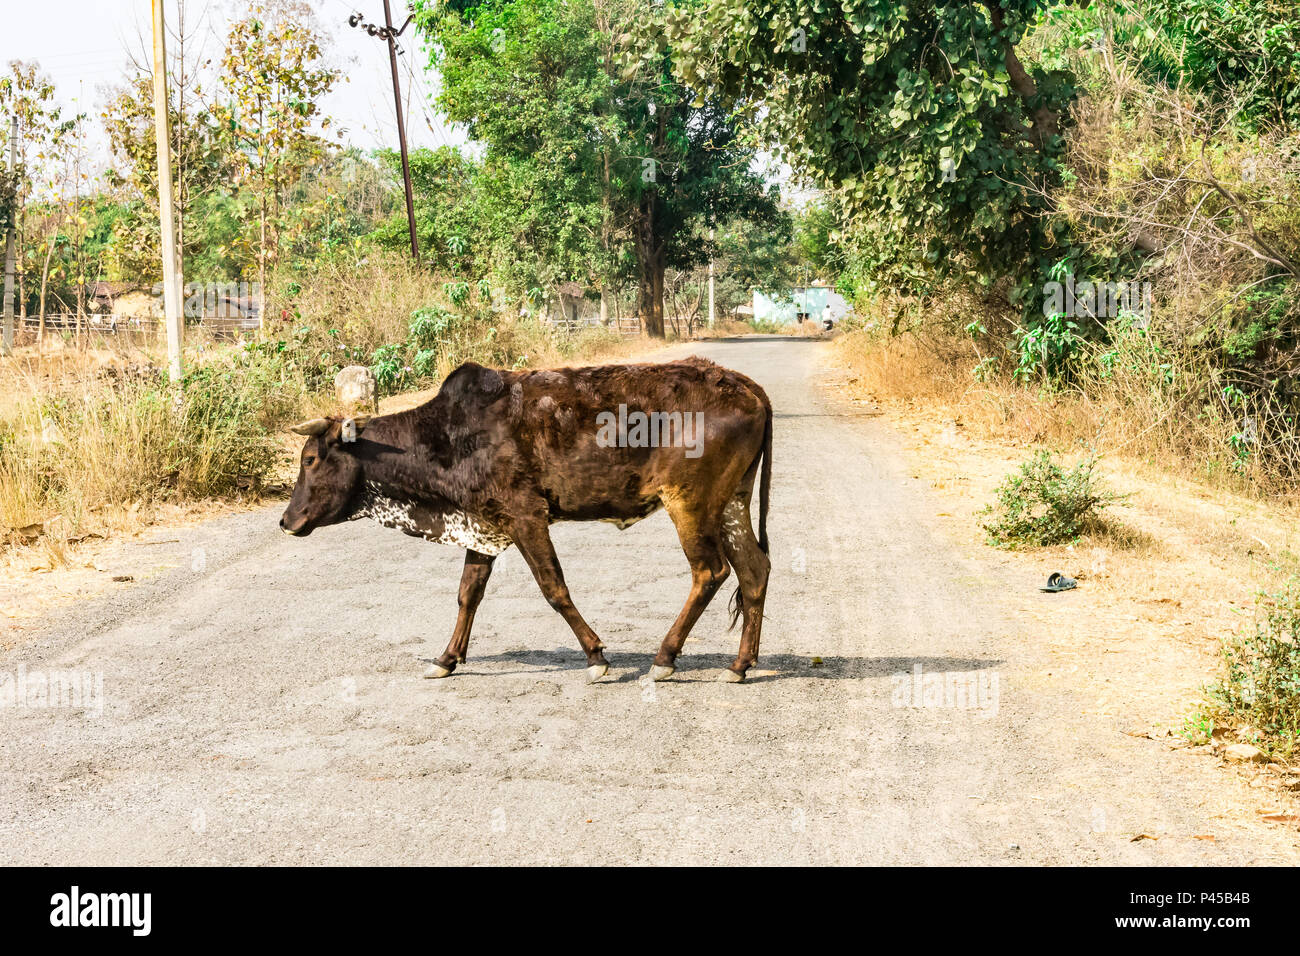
(7, 339)
(386, 32)
(167, 213)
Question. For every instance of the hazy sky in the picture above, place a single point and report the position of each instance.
(84, 44)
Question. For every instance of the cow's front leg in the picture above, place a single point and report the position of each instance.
(473, 582)
(533, 538)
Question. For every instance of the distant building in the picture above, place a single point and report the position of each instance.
(570, 295)
(800, 304)
(221, 305)
(121, 299)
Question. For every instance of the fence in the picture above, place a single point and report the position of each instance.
(627, 326)
(136, 328)
(142, 328)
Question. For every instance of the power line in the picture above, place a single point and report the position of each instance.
(390, 35)
(424, 98)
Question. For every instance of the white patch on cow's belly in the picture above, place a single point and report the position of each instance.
(459, 528)
(465, 531)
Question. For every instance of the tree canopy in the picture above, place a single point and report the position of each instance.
(583, 158)
(921, 120)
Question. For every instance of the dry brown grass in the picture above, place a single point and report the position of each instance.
(368, 299)
(1143, 405)
(88, 446)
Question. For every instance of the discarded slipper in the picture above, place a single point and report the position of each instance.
(1059, 582)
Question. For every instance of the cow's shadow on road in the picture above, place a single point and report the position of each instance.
(630, 667)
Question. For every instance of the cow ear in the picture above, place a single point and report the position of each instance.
(317, 426)
(352, 428)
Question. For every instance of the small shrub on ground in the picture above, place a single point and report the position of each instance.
(1044, 504)
(1261, 686)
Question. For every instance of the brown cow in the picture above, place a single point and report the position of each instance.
(498, 456)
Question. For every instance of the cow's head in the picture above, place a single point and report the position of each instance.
(328, 475)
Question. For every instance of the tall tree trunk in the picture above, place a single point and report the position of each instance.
(45, 284)
(650, 277)
(20, 237)
(651, 244)
(261, 269)
(81, 339)
(606, 227)
(657, 272)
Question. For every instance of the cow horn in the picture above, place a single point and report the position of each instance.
(314, 427)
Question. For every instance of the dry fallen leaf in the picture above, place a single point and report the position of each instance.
(1143, 836)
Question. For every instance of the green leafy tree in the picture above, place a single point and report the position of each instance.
(526, 80)
(338, 200)
(1247, 51)
(27, 95)
(448, 191)
(816, 227)
(273, 77)
(923, 122)
(583, 157)
(70, 211)
(199, 168)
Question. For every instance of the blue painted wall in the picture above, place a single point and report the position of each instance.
(811, 300)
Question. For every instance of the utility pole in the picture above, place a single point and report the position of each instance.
(386, 32)
(167, 214)
(7, 343)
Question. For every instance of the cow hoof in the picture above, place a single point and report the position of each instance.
(436, 670)
(659, 671)
(596, 671)
(731, 677)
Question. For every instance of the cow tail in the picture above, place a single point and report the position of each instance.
(765, 482)
(737, 606)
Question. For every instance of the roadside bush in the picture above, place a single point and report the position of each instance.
(766, 326)
(96, 442)
(1044, 504)
(1261, 686)
(439, 340)
(1184, 185)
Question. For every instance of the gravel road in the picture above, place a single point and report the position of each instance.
(262, 699)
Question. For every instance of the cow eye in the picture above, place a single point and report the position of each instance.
(309, 460)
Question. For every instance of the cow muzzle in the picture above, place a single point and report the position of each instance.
(299, 529)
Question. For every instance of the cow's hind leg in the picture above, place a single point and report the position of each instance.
(473, 582)
(534, 542)
(700, 540)
(752, 566)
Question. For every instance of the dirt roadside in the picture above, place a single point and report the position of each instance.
(1179, 569)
